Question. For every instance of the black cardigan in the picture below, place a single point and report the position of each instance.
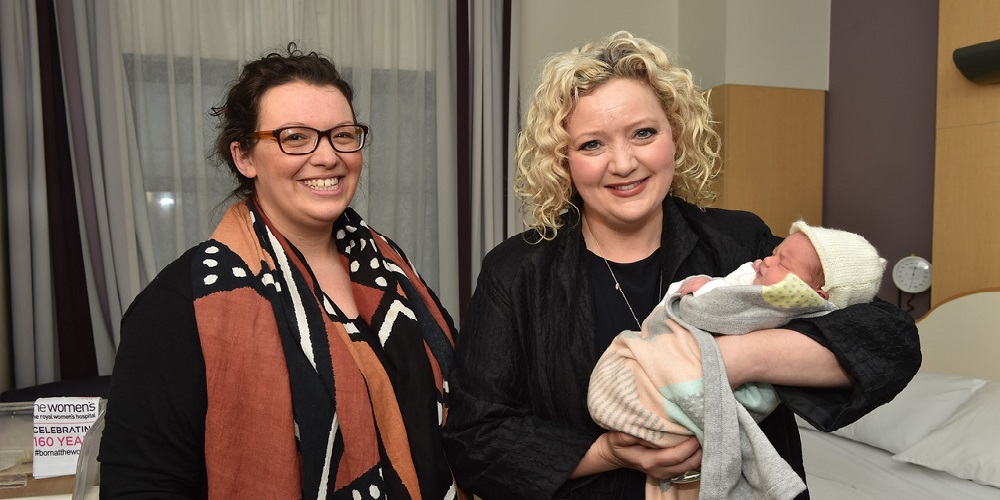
(518, 422)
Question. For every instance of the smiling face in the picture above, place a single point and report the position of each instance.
(301, 194)
(795, 255)
(621, 155)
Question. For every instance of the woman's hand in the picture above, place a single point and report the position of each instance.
(616, 450)
(625, 450)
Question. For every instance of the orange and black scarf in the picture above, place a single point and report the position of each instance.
(302, 401)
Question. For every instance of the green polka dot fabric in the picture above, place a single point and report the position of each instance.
(791, 293)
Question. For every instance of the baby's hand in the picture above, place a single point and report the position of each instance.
(692, 284)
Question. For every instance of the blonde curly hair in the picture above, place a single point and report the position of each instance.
(543, 182)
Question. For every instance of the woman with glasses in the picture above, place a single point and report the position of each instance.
(296, 353)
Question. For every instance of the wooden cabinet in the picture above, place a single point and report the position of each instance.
(772, 152)
(967, 159)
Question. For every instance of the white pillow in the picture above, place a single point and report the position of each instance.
(967, 445)
(923, 405)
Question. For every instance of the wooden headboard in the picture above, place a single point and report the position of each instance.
(962, 335)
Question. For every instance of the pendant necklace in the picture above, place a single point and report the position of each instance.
(618, 286)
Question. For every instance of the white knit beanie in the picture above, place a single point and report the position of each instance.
(852, 269)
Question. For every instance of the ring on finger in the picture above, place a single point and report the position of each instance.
(690, 476)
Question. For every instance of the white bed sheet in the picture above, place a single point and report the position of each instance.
(838, 469)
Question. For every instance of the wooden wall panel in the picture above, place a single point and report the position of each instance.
(772, 149)
(962, 23)
(966, 212)
(966, 241)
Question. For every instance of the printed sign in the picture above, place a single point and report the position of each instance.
(59, 427)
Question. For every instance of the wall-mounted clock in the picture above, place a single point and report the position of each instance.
(912, 274)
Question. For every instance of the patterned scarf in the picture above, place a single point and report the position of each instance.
(302, 401)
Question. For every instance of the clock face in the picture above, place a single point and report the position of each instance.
(912, 274)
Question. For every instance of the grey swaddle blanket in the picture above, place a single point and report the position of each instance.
(663, 386)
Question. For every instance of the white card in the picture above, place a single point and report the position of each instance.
(59, 427)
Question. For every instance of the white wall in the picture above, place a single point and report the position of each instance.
(778, 43)
(550, 26)
(702, 42)
(774, 43)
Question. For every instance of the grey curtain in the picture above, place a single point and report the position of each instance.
(113, 182)
(488, 96)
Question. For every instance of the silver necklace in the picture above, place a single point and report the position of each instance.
(618, 286)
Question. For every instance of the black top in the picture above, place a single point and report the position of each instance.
(165, 366)
(640, 282)
(643, 288)
(518, 423)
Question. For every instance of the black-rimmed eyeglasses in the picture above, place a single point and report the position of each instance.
(305, 140)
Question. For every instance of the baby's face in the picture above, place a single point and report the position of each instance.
(795, 255)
